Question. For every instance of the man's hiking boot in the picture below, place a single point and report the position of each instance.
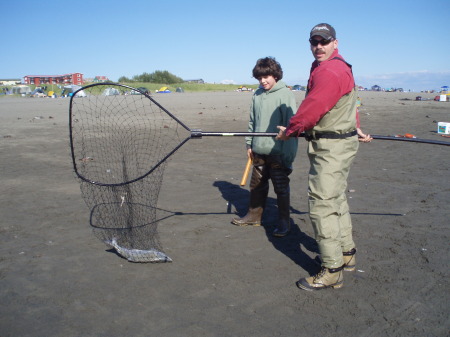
(326, 278)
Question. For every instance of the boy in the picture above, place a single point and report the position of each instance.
(272, 104)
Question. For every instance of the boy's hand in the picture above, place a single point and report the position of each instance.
(282, 133)
(250, 154)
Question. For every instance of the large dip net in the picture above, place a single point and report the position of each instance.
(120, 141)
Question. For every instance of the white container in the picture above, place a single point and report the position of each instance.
(443, 128)
(443, 98)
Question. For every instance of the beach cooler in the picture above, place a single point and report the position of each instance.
(443, 128)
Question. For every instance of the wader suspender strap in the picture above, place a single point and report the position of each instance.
(348, 64)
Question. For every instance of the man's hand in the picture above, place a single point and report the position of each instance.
(282, 133)
(362, 137)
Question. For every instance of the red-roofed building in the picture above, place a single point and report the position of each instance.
(74, 78)
(98, 79)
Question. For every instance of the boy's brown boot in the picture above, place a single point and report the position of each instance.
(252, 218)
(350, 260)
(258, 197)
(326, 278)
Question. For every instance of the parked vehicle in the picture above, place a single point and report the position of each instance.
(142, 90)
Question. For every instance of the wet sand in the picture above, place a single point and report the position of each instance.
(58, 279)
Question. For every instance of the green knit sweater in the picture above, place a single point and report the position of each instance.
(268, 110)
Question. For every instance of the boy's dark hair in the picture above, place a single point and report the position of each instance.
(267, 66)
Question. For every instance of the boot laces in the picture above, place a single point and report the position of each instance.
(320, 273)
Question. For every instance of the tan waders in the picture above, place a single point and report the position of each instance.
(348, 258)
(330, 161)
(267, 167)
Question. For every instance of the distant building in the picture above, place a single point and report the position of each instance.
(74, 78)
(100, 79)
(10, 81)
(200, 81)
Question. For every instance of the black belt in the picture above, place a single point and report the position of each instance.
(330, 135)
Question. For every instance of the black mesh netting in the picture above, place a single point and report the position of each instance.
(120, 140)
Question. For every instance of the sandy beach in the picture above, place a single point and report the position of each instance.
(58, 279)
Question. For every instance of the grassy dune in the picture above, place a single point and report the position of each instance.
(153, 87)
(190, 87)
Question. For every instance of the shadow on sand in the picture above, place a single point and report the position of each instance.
(295, 245)
(291, 245)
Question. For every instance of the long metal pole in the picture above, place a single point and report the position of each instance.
(196, 133)
(413, 140)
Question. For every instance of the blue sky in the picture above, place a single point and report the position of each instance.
(389, 43)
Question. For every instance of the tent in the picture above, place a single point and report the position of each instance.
(163, 90)
(21, 90)
(376, 88)
(81, 93)
(298, 87)
(179, 89)
(70, 89)
(37, 91)
(110, 92)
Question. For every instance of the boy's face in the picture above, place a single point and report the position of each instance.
(267, 82)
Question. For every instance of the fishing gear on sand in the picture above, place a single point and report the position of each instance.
(120, 141)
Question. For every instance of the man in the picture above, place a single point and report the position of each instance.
(328, 116)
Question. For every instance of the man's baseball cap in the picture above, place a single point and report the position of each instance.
(324, 30)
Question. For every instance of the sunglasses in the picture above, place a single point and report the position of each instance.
(323, 42)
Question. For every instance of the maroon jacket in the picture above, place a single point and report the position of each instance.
(328, 82)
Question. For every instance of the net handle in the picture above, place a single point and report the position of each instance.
(197, 133)
(414, 140)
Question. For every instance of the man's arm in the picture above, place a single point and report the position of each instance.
(323, 95)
